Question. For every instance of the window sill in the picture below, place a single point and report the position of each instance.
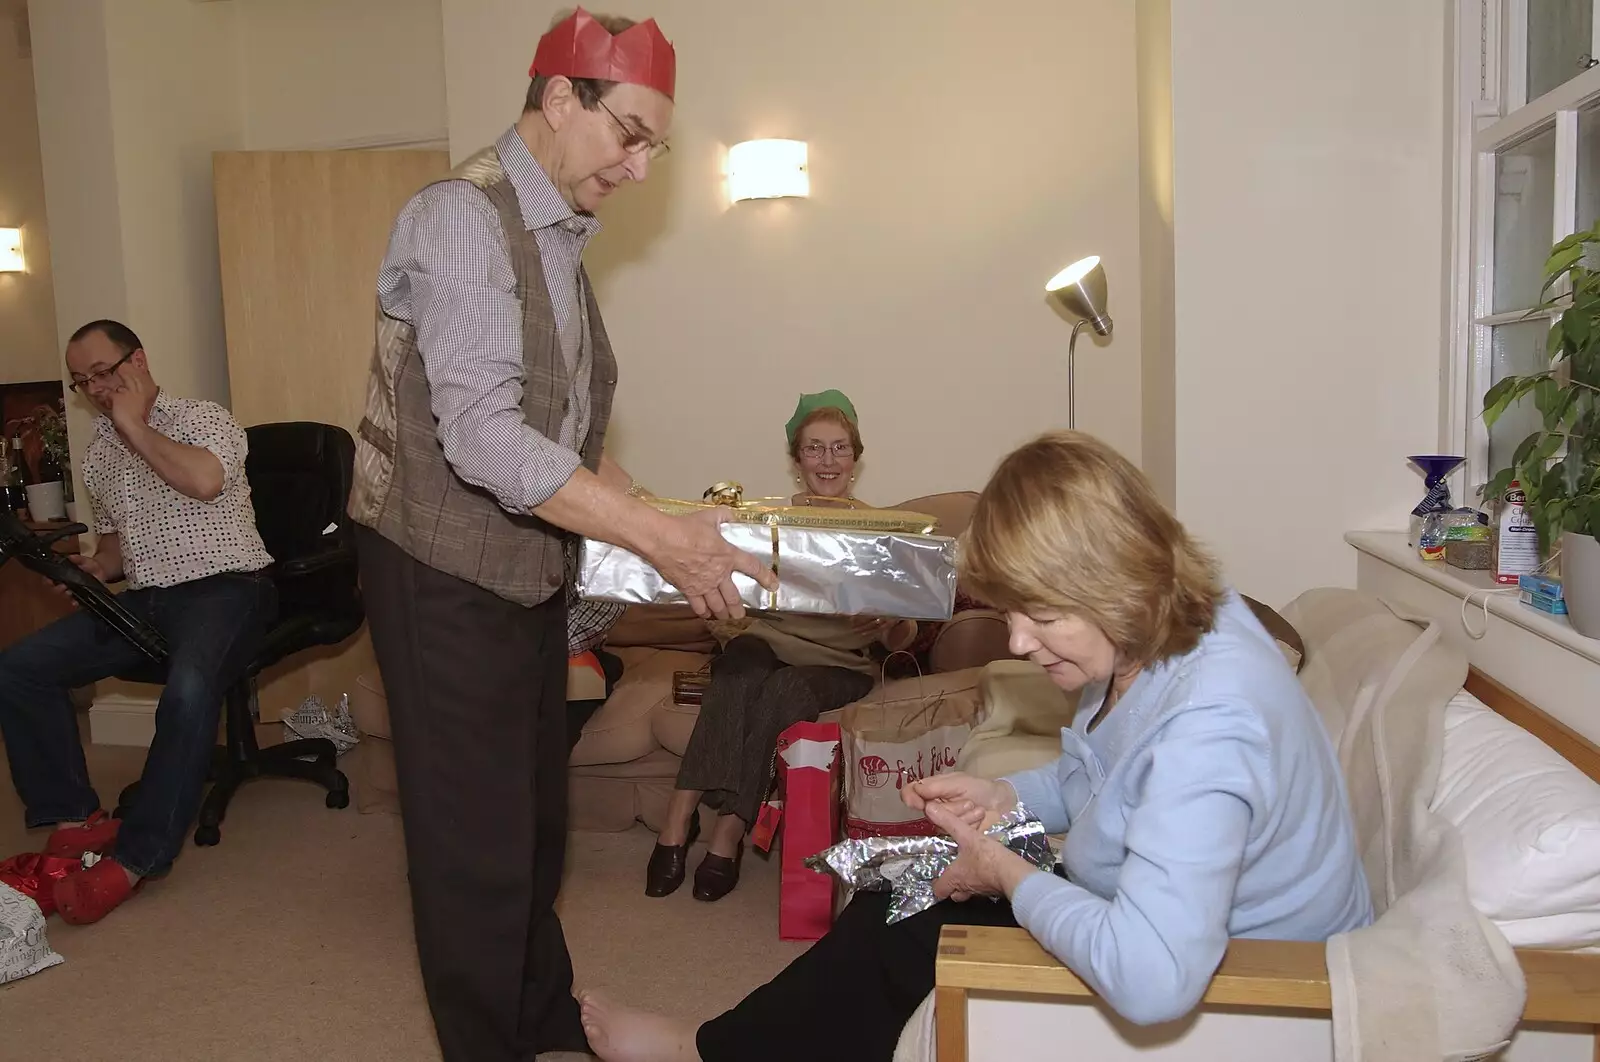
(1537, 654)
(1390, 546)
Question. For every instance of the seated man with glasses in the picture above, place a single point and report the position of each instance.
(173, 514)
(773, 671)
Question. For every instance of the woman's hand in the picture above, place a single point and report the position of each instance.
(982, 867)
(976, 801)
(894, 635)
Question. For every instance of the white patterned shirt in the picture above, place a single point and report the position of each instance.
(448, 272)
(166, 536)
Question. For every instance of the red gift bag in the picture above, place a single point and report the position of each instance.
(808, 764)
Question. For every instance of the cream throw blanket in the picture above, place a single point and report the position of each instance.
(1431, 978)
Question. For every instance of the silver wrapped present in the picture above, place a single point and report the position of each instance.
(907, 866)
(24, 948)
(834, 570)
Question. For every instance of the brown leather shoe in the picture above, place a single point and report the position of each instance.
(716, 875)
(668, 862)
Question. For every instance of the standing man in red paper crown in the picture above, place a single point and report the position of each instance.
(479, 464)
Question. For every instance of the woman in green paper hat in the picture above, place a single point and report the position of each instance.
(774, 670)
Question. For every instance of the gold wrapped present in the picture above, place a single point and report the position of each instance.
(837, 559)
(840, 514)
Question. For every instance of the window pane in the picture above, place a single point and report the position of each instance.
(1588, 168)
(1524, 212)
(1518, 349)
(1558, 42)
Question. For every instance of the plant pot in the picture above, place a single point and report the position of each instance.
(47, 501)
(1580, 582)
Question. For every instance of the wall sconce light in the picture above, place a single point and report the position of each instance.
(11, 260)
(768, 169)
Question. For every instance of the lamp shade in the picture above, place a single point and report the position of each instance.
(1080, 289)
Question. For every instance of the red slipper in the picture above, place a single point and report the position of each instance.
(90, 895)
(95, 835)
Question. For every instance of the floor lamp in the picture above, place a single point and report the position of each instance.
(1080, 290)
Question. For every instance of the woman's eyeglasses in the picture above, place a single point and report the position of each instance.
(838, 450)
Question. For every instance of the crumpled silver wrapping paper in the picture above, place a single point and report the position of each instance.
(820, 570)
(313, 720)
(907, 866)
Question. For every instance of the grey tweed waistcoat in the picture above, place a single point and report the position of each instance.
(406, 491)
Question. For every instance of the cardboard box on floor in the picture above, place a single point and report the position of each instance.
(326, 671)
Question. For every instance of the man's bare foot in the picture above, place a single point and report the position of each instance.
(622, 1034)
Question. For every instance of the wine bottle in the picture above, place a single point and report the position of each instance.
(16, 478)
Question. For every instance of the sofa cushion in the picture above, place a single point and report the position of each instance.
(1023, 714)
(620, 730)
(611, 797)
(662, 627)
(1529, 824)
(953, 509)
(674, 723)
(970, 638)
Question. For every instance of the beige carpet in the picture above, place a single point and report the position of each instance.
(292, 940)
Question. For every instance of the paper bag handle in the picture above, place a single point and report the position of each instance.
(924, 707)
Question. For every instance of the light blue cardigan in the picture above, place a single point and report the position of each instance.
(1206, 805)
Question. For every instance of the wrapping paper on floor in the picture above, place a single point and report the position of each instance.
(35, 874)
(833, 561)
(24, 947)
(907, 866)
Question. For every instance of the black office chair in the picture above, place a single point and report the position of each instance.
(299, 483)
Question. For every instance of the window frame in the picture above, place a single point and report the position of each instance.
(1491, 115)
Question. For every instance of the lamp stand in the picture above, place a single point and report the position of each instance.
(1072, 377)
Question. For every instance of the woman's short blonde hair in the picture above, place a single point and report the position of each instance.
(1067, 524)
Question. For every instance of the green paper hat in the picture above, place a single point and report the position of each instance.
(809, 404)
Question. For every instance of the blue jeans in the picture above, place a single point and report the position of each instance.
(213, 627)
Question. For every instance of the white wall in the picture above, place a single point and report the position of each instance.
(133, 96)
(944, 195)
(72, 80)
(1308, 169)
(1272, 187)
(174, 100)
(1158, 348)
(27, 300)
(341, 73)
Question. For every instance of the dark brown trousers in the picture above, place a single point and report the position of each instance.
(478, 710)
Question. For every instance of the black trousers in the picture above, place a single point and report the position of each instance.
(478, 709)
(751, 699)
(848, 998)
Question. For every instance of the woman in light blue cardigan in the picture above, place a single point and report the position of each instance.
(1198, 791)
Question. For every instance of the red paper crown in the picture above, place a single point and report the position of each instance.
(579, 46)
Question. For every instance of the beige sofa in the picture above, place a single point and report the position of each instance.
(625, 763)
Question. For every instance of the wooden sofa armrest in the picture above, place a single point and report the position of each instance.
(1271, 974)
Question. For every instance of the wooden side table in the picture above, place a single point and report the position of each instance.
(27, 601)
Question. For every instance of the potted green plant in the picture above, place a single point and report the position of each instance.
(43, 437)
(1558, 466)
